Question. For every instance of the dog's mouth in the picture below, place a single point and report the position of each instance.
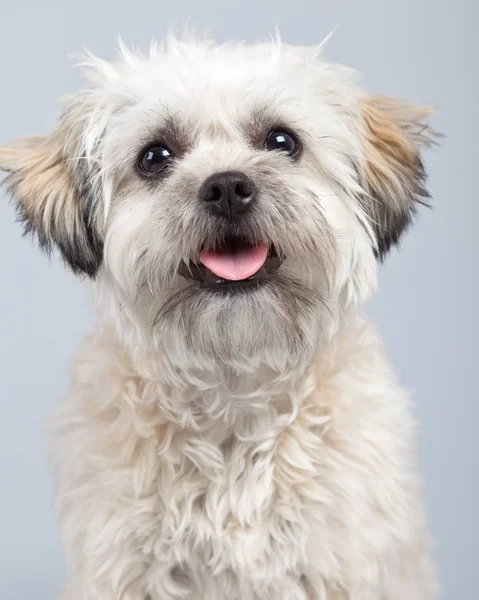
(233, 265)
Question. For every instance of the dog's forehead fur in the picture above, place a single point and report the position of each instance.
(203, 72)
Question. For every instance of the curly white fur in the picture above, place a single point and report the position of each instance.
(292, 486)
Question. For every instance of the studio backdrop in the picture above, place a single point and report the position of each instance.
(426, 307)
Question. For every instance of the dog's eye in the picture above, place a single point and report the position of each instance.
(281, 140)
(155, 159)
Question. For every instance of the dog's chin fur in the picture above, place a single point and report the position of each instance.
(249, 445)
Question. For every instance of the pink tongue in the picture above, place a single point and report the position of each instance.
(240, 264)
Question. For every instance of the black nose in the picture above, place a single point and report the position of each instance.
(229, 193)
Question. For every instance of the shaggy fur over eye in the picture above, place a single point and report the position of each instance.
(232, 428)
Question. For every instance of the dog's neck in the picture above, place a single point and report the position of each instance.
(246, 397)
(242, 392)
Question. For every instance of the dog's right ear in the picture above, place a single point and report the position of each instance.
(57, 194)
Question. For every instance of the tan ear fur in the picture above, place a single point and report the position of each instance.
(45, 185)
(393, 134)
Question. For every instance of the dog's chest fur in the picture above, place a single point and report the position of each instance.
(297, 488)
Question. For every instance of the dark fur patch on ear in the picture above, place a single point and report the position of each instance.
(54, 202)
(393, 173)
(90, 200)
(389, 225)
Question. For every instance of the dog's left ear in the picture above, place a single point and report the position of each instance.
(393, 176)
(56, 195)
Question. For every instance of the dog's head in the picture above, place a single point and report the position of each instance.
(232, 199)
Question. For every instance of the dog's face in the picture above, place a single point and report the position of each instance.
(231, 199)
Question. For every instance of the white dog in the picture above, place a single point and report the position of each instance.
(232, 429)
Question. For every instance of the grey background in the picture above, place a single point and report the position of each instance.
(425, 50)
